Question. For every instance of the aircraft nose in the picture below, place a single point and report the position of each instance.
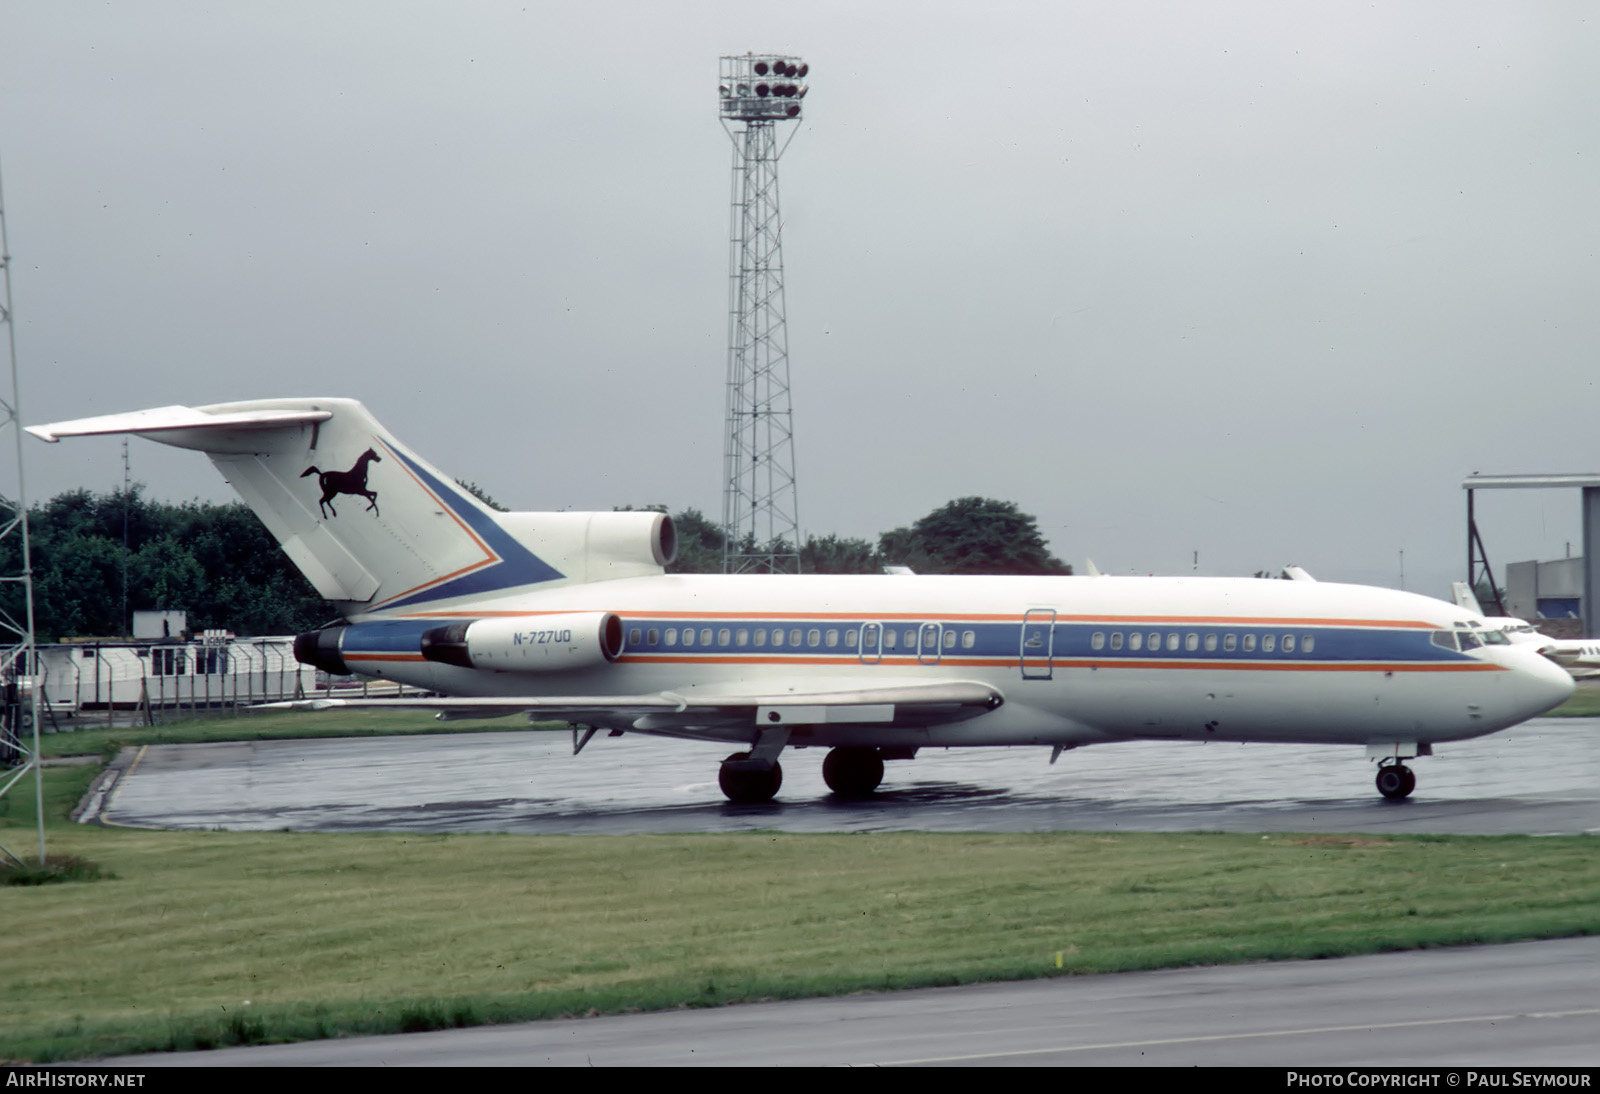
(1540, 684)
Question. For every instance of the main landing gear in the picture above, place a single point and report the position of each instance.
(853, 772)
(1396, 780)
(849, 773)
(749, 782)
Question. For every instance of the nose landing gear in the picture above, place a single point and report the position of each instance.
(1396, 780)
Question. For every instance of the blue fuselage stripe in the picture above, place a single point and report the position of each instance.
(1001, 642)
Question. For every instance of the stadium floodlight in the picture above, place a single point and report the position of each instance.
(750, 84)
(760, 514)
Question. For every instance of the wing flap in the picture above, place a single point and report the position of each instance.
(909, 704)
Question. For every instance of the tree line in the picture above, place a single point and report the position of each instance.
(219, 564)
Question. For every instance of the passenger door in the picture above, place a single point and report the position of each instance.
(1038, 641)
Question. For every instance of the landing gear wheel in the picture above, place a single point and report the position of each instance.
(1396, 781)
(749, 787)
(853, 772)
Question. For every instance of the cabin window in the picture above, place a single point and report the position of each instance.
(705, 636)
(1249, 643)
(1211, 643)
(1098, 641)
(761, 636)
(777, 636)
(891, 639)
(968, 639)
(635, 636)
(1288, 643)
(1155, 641)
(1267, 642)
(653, 636)
(672, 636)
(1307, 643)
(831, 639)
(741, 637)
(1135, 641)
(1172, 640)
(1116, 640)
(949, 640)
(1230, 642)
(1191, 642)
(794, 636)
(911, 640)
(851, 638)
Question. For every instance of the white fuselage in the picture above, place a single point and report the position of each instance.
(570, 615)
(1079, 660)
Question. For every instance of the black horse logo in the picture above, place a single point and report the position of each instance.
(353, 481)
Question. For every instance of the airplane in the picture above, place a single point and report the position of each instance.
(572, 617)
(1579, 656)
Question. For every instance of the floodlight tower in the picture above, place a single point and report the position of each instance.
(760, 516)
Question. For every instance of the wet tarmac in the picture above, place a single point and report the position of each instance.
(1542, 777)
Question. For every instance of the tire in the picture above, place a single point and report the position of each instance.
(853, 772)
(749, 787)
(1396, 781)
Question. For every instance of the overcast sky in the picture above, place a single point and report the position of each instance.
(1262, 280)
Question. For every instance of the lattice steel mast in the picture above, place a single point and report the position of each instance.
(19, 708)
(760, 513)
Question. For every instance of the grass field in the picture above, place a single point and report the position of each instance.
(269, 725)
(210, 938)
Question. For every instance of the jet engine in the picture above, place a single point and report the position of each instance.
(527, 643)
(322, 649)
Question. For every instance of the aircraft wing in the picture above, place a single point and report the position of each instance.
(694, 708)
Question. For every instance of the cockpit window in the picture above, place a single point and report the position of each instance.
(1495, 638)
(1469, 641)
(1447, 639)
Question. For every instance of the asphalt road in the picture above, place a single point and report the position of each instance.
(1531, 1003)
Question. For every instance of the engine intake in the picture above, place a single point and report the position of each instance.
(527, 643)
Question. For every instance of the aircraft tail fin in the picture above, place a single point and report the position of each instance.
(372, 525)
(1464, 597)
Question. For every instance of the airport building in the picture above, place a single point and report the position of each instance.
(1547, 593)
(214, 671)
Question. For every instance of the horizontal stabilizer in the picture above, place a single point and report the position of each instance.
(167, 419)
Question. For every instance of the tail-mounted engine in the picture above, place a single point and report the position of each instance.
(527, 643)
(322, 649)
